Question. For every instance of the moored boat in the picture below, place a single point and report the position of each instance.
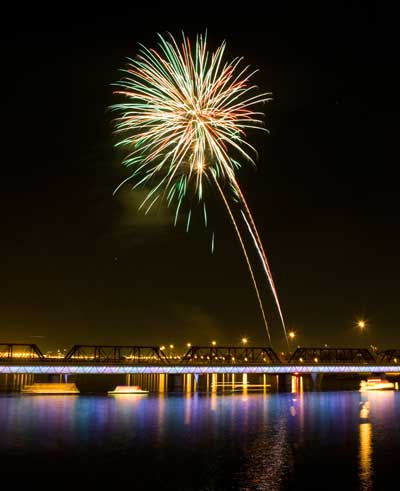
(127, 389)
(376, 384)
(50, 389)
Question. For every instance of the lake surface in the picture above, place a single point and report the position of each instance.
(326, 440)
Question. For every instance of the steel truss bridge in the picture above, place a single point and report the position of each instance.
(101, 359)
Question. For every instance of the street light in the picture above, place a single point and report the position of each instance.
(189, 345)
(214, 343)
(363, 328)
(361, 324)
(291, 335)
(244, 340)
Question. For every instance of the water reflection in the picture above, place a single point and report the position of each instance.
(232, 441)
(268, 458)
(365, 456)
(188, 408)
(376, 409)
(364, 411)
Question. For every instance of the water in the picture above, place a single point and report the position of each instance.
(203, 442)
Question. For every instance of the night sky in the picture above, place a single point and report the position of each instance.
(80, 265)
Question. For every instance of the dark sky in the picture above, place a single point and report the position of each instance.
(81, 266)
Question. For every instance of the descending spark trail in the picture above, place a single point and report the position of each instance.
(264, 262)
(260, 249)
(246, 257)
(184, 124)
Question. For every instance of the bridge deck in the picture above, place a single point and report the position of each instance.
(114, 368)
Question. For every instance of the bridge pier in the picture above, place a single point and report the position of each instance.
(175, 382)
(162, 382)
(188, 382)
(15, 382)
(284, 382)
(55, 378)
(316, 381)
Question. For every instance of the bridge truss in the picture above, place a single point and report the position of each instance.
(390, 356)
(229, 355)
(116, 354)
(332, 355)
(20, 351)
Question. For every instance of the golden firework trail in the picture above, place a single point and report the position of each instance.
(184, 121)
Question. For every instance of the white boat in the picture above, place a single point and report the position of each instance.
(50, 389)
(376, 384)
(127, 389)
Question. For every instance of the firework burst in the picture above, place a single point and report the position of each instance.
(183, 122)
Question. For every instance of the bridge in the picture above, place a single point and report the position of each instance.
(108, 359)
